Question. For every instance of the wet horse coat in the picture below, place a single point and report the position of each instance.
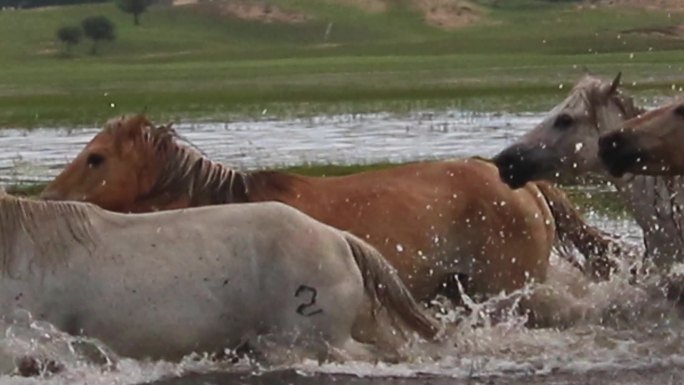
(566, 145)
(649, 144)
(431, 220)
(163, 285)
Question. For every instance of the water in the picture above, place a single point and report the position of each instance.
(612, 331)
(37, 155)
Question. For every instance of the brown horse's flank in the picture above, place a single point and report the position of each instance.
(203, 182)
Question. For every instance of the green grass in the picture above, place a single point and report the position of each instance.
(190, 64)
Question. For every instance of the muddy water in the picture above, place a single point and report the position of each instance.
(607, 333)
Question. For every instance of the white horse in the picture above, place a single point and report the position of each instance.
(166, 284)
(566, 145)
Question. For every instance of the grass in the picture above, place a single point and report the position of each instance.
(195, 64)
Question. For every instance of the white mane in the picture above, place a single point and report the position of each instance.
(52, 227)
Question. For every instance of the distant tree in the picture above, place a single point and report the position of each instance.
(98, 28)
(70, 36)
(134, 7)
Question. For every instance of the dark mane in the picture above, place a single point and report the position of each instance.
(184, 171)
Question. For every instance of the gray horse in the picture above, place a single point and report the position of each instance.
(565, 145)
(166, 284)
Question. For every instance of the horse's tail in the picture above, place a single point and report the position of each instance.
(572, 230)
(384, 287)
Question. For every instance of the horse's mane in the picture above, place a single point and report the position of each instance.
(50, 226)
(592, 90)
(184, 169)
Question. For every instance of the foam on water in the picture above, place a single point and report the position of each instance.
(600, 325)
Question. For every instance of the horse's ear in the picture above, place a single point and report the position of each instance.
(616, 83)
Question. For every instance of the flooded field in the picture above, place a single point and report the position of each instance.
(609, 332)
(39, 154)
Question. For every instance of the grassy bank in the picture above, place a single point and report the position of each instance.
(192, 63)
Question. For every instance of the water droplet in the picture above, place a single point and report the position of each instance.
(400, 248)
(578, 146)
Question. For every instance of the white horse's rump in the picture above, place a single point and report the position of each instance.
(165, 284)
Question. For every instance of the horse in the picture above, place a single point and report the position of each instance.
(163, 285)
(436, 222)
(565, 144)
(648, 144)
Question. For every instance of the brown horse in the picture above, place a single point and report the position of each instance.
(432, 221)
(649, 144)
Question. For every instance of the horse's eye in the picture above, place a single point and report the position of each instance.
(563, 121)
(679, 110)
(95, 160)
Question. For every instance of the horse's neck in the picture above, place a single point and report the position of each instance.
(198, 183)
(275, 186)
(656, 204)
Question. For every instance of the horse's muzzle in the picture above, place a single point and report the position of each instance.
(516, 167)
(618, 153)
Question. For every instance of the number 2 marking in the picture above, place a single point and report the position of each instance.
(307, 309)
